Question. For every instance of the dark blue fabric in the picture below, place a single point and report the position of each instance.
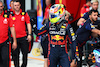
(57, 34)
(86, 16)
(83, 33)
(58, 55)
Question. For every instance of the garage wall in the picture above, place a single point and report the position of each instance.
(99, 6)
(27, 5)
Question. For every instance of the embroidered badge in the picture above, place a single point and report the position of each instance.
(23, 13)
(5, 15)
(13, 18)
(5, 21)
(23, 18)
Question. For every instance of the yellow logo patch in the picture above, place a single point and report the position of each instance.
(72, 34)
(23, 13)
(13, 18)
(63, 27)
(92, 26)
(5, 15)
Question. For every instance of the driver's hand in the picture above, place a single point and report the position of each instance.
(73, 63)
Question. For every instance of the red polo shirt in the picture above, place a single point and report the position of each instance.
(4, 24)
(46, 14)
(84, 9)
(19, 23)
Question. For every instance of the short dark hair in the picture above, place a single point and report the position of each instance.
(88, 1)
(16, 1)
(90, 12)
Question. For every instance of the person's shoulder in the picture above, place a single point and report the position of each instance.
(88, 21)
(86, 16)
(6, 14)
(23, 12)
(84, 6)
(87, 13)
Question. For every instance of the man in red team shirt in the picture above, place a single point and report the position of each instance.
(4, 25)
(86, 7)
(19, 18)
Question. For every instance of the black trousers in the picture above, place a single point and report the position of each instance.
(80, 56)
(22, 45)
(4, 54)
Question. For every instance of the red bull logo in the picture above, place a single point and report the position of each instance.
(57, 37)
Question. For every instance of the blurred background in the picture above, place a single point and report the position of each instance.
(33, 7)
(36, 9)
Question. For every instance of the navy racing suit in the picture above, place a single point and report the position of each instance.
(58, 35)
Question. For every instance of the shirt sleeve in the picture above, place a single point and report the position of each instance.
(43, 30)
(86, 16)
(27, 18)
(11, 22)
(89, 26)
(82, 11)
(74, 46)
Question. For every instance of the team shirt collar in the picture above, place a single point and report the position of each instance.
(19, 13)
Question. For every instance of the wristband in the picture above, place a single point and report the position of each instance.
(29, 34)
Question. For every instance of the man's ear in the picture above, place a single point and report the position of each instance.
(20, 5)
